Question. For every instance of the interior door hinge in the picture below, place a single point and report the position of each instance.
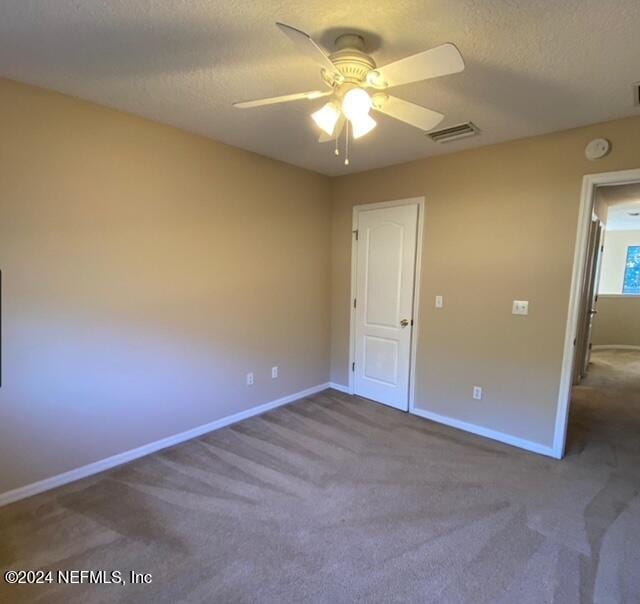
(356, 234)
(354, 303)
(353, 366)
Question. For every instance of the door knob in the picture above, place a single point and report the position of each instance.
(404, 322)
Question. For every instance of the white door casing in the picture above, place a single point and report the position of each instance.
(384, 297)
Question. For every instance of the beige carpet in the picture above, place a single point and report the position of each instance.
(336, 499)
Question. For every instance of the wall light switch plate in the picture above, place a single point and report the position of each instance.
(477, 393)
(520, 307)
(439, 302)
(250, 379)
(274, 373)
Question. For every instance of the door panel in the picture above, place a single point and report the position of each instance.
(380, 360)
(593, 295)
(588, 295)
(386, 256)
(383, 272)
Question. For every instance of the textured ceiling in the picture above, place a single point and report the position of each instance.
(623, 200)
(532, 66)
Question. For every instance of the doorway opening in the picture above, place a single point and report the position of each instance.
(385, 281)
(602, 341)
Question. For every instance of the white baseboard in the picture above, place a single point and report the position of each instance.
(487, 433)
(339, 387)
(614, 347)
(121, 458)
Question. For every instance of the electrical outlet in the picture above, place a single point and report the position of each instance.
(274, 373)
(477, 393)
(250, 379)
(439, 302)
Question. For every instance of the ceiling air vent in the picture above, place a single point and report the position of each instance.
(453, 133)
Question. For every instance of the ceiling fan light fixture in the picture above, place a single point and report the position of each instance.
(363, 125)
(355, 81)
(327, 117)
(356, 104)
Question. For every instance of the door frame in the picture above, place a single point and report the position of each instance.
(357, 209)
(587, 202)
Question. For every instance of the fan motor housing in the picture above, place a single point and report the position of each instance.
(350, 59)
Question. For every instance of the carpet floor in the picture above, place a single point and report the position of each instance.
(337, 499)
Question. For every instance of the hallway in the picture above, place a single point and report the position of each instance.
(605, 407)
(604, 440)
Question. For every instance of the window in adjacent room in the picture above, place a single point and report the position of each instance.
(631, 282)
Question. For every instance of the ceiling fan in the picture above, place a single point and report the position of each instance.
(350, 74)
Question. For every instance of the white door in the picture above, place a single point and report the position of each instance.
(593, 294)
(589, 298)
(385, 276)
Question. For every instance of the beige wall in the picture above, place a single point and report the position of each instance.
(500, 225)
(145, 271)
(614, 259)
(617, 322)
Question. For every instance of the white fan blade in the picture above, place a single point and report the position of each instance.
(432, 63)
(299, 96)
(325, 138)
(307, 46)
(407, 112)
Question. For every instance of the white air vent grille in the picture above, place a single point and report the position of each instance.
(453, 132)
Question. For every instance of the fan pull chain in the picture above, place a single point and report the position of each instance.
(337, 151)
(346, 144)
